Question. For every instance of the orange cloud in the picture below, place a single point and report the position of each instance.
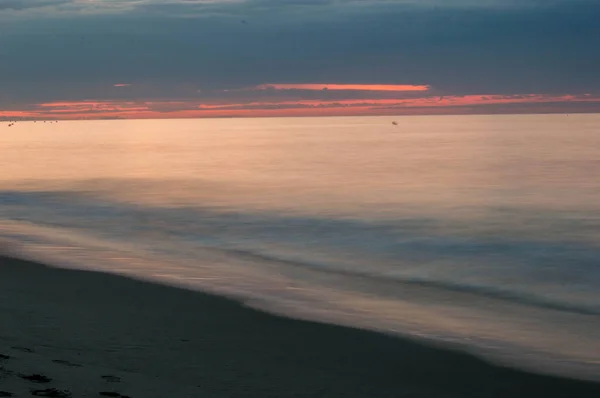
(71, 104)
(433, 102)
(346, 87)
(122, 85)
(307, 107)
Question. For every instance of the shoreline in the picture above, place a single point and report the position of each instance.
(76, 327)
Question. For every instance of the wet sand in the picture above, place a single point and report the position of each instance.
(90, 334)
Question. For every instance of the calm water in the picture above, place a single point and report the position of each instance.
(481, 232)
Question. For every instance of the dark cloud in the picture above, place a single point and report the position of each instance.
(28, 4)
(459, 47)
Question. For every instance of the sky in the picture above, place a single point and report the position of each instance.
(73, 59)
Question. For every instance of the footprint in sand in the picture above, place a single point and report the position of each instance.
(51, 392)
(22, 349)
(112, 379)
(4, 357)
(113, 394)
(6, 394)
(36, 378)
(66, 363)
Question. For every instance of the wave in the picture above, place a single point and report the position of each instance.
(258, 270)
(339, 270)
(486, 291)
(558, 275)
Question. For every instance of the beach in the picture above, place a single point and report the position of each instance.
(213, 258)
(94, 334)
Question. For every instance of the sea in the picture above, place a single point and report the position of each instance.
(479, 233)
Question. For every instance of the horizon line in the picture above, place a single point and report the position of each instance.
(499, 113)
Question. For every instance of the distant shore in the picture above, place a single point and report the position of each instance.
(452, 111)
(92, 334)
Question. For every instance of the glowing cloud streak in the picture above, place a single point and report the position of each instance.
(345, 87)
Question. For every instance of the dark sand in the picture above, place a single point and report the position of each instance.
(91, 332)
